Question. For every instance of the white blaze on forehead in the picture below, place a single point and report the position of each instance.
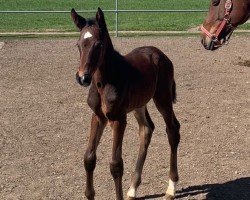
(87, 35)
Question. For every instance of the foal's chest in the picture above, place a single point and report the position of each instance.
(109, 100)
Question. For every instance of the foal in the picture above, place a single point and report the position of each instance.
(118, 85)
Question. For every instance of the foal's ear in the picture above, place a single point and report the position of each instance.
(79, 21)
(100, 19)
(215, 2)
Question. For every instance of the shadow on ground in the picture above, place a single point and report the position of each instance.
(153, 196)
(237, 189)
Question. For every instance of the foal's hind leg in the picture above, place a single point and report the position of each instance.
(97, 126)
(165, 107)
(146, 128)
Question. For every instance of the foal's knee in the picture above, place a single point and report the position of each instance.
(116, 168)
(89, 161)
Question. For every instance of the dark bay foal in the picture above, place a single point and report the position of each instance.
(118, 85)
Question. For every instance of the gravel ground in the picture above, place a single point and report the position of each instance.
(44, 123)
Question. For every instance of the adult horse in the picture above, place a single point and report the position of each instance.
(118, 85)
(223, 17)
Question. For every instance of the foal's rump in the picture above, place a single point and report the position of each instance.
(150, 60)
(154, 73)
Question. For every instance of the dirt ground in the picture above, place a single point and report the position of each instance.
(44, 123)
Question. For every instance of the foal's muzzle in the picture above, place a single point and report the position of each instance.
(84, 80)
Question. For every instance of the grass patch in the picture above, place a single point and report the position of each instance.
(127, 21)
(61, 22)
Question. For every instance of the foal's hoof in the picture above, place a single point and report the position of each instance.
(168, 197)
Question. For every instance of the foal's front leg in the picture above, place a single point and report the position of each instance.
(97, 126)
(116, 164)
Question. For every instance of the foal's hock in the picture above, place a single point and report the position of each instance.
(118, 85)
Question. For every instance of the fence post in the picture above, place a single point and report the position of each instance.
(116, 18)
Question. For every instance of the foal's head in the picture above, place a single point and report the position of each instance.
(91, 44)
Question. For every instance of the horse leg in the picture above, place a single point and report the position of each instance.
(146, 128)
(164, 105)
(97, 126)
(116, 164)
(174, 139)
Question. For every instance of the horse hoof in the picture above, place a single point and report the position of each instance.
(168, 197)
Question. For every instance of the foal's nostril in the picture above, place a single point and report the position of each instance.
(78, 79)
(84, 80)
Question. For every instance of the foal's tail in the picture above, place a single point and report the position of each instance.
(165, 75)
(174, 92)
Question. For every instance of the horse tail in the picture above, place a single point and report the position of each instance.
(174, 92)
(165, 73)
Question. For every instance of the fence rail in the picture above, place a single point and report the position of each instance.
(93, 11)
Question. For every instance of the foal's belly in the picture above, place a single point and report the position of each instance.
(140, 94)
(134, 95)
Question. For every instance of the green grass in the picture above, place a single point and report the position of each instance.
(127, 21)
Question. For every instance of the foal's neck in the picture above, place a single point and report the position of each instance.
(112, 58)
(113, 65)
